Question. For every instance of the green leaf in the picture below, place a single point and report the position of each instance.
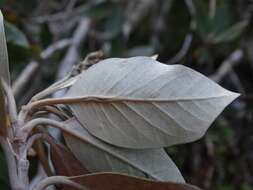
(4, 62)
(230, 34)
(15, 36)
(222, 11)
(114, 22)
(204, 24)
(216, 30)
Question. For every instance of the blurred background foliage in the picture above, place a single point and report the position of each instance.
(212, 36)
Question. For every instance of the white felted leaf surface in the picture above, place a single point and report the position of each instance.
(98, 156)
(141, 103)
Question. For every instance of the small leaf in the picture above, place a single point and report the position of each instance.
(230, 34)
(4, 62)
(141, 103)
(114, 181)
(15, 36)
(114, 22)
(98, 156)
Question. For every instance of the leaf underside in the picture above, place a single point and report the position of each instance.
(160, 105)
(98, 156)
(114, 181)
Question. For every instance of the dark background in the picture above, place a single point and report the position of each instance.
(213, 37)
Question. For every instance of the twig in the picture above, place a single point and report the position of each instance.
(236, 81)
(58, 180)
(35, 137)
(33, 66)
(24, 77)
(61, 84)
(188, 38)
(51, 109)
(29, 126)
(68, 61)
(71, 56)
(11, 163)
(61, 15)
(183, 51)
(55, 47)
(227, 65)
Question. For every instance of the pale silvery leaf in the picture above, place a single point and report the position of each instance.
(141, 103)
(98, 156)
(4, 62)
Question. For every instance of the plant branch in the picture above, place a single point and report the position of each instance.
(61, 84)
(58, 180)
(29, 126)
(33, 66)
(183, 51)
(68, 61)
(11, 163)
(51, 109)
(227, 65)
(35, 137)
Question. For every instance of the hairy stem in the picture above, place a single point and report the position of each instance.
(35, 137)
(58, 180)
(29, 126)
(11, 163)
(63, 83)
